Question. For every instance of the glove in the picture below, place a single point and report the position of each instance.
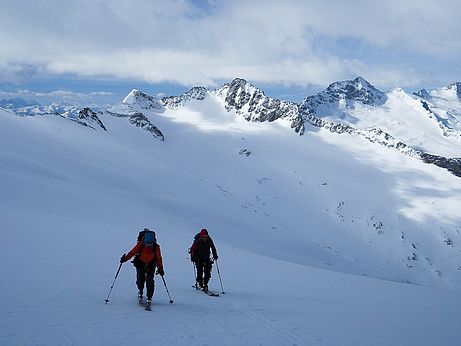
(160, 271)
(192, 259)
(215, 257)
(123, 259)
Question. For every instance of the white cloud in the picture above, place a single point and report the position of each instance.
(300, 42)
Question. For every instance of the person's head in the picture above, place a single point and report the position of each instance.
(204, 234)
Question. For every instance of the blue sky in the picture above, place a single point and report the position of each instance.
(98, 50)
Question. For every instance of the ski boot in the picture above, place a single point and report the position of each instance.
(148, 304)
(140, 298)
(198, 285)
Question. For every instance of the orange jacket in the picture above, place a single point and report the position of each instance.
(146, 254)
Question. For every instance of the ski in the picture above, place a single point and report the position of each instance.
(209, 293)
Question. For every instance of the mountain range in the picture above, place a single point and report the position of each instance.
(424, 125)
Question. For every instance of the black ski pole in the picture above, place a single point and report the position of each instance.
(219, 275)
(171, 300)
(107, 299)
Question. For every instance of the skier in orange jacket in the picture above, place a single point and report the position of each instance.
(147, 257)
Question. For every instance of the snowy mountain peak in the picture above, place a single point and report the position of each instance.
(241, 88)
(132, 96)
(358, 89)
(138, 99)
(254, 105)
(238, 93)
(198, 93)
(242, 83)
(342, 95)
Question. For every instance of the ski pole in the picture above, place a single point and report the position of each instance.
(171, 300)
(219, 275)
(195, 276)
(119, 267)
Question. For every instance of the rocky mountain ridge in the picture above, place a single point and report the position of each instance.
(139, 120)
(255, 106)
(196, 93)
(90, 118)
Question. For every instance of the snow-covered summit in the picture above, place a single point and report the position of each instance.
(255, 106)
(138, 99)
(343, 95)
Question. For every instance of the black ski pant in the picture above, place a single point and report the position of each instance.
(203, 271)
(145, 274)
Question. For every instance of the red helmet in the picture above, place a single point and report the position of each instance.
(203, 232)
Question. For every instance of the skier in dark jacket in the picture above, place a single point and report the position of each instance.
(147, 257)
(200, 252)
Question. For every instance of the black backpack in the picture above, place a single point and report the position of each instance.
(202, 250)
(196, 239)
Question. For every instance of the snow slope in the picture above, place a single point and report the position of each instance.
(318, 235)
